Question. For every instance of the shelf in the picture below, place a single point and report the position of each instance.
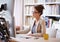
(28, 15)
(52, 10)
(53, 15)
(52, 3)
(46, 3)
(32, 4)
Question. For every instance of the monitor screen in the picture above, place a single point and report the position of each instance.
(12, 29)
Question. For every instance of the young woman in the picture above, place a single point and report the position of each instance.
(38, 26)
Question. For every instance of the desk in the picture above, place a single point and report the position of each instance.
(33, 39)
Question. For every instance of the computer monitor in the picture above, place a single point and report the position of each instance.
(12, 29)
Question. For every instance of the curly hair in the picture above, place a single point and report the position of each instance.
(39, 8)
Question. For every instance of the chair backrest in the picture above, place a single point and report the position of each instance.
(58, 33)
(51, 32)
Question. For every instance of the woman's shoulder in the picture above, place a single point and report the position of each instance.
(42, 20)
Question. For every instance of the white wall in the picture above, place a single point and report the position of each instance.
(18, 12)
(10, 4)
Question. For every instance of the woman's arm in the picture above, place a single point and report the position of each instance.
(23, 31)
(43, 27)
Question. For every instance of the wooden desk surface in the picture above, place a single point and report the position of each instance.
(34, 39)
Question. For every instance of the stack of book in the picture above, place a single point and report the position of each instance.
(52, 10)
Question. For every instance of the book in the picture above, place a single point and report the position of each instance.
(57, 9)
(53, 9)
(27, 9)
(48, 9)
(29, 1)
(40, 1)
(46, 21)
(53, 0)
(48, 0)
(57, 0)
(35, 1)
(50, 23)
(31, 10)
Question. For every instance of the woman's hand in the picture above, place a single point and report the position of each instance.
(17, 32)
(35, 35)
(30, 34)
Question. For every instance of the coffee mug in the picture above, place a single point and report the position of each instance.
(46, 36)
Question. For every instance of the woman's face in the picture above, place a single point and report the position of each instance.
(36, 14)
